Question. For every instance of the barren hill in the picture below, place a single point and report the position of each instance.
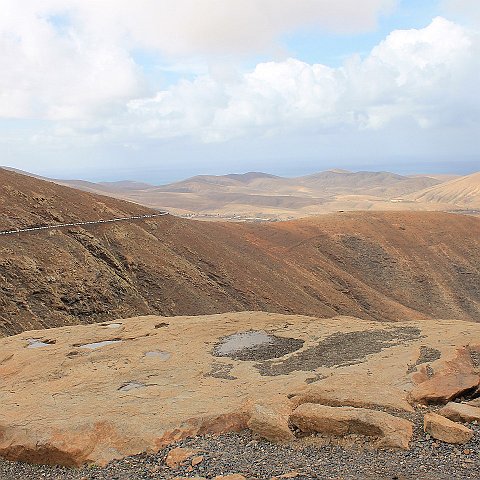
(264, 196)
(377, 266)
(460, 192)
(268, 196)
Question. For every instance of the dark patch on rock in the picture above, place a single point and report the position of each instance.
(316, 378)
(162, 325)
(340, 349)
(475, 356)
(260, 346)
(221, 370)
(427, 355)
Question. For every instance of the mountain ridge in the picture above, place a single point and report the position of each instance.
(376, 266)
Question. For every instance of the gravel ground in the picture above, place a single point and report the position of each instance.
(311, 457)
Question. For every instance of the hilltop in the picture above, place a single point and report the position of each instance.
(373, 265)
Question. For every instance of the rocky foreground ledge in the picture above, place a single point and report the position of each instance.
(93, 394)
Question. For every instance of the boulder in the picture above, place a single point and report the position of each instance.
(390, 431)
(460, 412)
(197, 460)
(443, 429)
(449, 380)
(269, 424)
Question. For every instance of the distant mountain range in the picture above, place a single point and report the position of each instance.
(264, 196)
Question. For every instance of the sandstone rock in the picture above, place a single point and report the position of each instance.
(450, 379)
(460, 412)
(269, 424)
(360, 391)
(101, 392)
(443, 429)
(391, 432)
(197, 460)
(178, 455)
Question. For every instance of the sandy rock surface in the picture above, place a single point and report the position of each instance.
(446, 430)
(392, 432)
(269, 424)
(459, 412)
(91, 394)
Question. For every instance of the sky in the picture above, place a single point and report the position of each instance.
(160, 90)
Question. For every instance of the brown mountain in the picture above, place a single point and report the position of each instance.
(463, 192)
(257, 194)
(265, 196)
(381, 266)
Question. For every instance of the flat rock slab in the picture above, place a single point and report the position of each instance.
(91, 394)
(460, 412)
(445, 430)
(450, 379)
(391, 432)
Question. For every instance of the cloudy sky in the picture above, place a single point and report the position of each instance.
(158, 90)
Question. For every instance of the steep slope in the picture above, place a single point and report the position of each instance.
(462, 192)
(380, 266)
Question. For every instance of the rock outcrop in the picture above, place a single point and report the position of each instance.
(91, 394)
(449, 379)
(269, 424)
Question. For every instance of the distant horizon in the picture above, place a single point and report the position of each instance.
(159, 92)
(461, 169)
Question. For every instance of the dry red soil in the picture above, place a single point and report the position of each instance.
(373, 265)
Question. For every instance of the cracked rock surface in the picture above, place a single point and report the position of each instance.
(66, 404)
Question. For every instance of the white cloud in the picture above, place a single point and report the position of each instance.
(421, 76)
(73, 59)
(189, 27)
(58, 73)
(71, 62)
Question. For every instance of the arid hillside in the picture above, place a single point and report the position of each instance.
(463, 192)
(376, 266)
(257, 195)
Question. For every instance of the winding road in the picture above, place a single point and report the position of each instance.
(77, 224)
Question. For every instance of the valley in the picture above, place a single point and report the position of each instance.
(374, 265)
